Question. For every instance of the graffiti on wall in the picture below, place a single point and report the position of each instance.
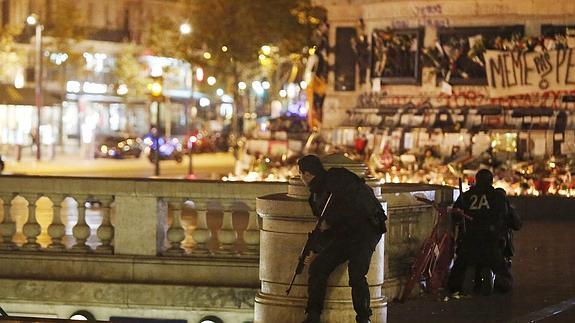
(429, 15)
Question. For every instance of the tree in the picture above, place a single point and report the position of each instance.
(242, 27)
(64, 26)
(129, 71)
(10, 56)
(245, 26)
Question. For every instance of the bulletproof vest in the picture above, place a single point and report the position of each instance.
(487, 208)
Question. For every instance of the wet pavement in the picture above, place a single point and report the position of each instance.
(544, 273)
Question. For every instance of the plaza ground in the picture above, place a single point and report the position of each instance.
(544, 272)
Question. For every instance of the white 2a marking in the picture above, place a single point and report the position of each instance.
(478, 203)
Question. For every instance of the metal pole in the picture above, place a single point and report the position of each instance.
(38, 88)
(157, 159)
(190, 146)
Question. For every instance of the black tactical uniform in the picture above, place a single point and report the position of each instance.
(352, 236)
(480, 240)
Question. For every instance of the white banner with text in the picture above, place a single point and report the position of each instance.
(515, 73)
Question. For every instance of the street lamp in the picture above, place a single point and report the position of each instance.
(156, 95)
(32, 20)
(185, 28)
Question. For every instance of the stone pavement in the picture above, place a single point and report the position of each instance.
(72, 163)
(544, 272)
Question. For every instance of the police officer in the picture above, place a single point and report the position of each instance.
(479, 243)
(512, 222)
(352, 236)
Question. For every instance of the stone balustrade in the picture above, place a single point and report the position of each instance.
(131, 217)
(119, 241)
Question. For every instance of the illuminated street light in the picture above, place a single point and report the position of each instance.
(266, 85)
(224, 48)
(220, 92)
(242, 85)
(283, 93)
(211, 80)
(266, 50)
(185, 28)
(207, 55)
(32, 20)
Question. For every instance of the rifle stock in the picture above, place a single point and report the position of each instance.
(312, 238)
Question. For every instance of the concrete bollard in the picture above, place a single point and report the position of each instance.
(287, 219)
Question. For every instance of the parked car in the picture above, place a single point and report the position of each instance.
(170, 148)
(117, 146)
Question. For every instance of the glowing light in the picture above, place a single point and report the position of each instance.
(207, 55)
(96, 88)
(266, 50)
(242, 85)
(156, 88)
(303, 84)
(199, 74)
(19, 79)
(32, 20)
(266, 85)
(211, 80)
(257, 87)
(283, 93)
(204, 102)
(157, 70)
(220, 92)
(292, 90)
(262, 57)
(224, 48)
(58, 58)
(122, 89)
(226, 110)
(185, 28)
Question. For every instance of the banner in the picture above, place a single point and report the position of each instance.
(515, 73)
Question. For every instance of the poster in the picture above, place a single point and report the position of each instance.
(515, 73)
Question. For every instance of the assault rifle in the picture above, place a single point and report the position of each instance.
(313, 238)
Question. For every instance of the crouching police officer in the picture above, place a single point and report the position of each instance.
(351, 233)
(479, 241)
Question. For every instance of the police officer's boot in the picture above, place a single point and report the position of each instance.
(312, 317)
(487, 281)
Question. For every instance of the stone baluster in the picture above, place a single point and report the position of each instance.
(227, 235)
(56, 229)
(105, 231)
(31, 228)
(8, 226)
(81, 230)
(176, 233)
(252, 234)
(202, 233)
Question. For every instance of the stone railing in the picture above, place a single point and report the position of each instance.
(118, 240)
(141, 217)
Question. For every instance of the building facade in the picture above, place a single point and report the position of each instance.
(87, 49)
(432, 75)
